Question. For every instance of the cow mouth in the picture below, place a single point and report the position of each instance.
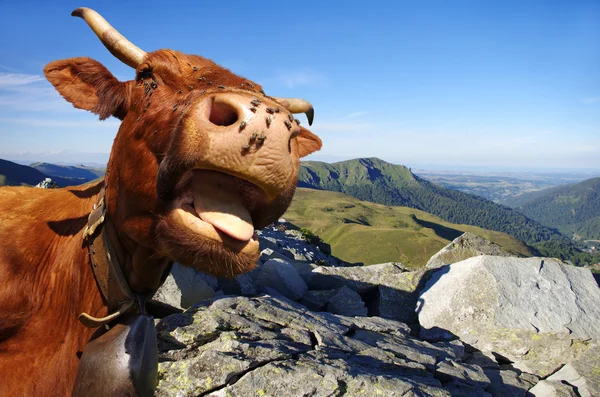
(217, 207)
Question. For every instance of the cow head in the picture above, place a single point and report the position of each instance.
(202, 158)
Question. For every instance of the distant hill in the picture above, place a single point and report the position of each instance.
(78, 174)
(361, 231)
(13, 174)
(375, 180)
(573, 208)
(500, 186)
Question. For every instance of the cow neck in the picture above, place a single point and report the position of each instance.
(108, 270)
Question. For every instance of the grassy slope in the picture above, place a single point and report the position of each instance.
(377, 181)
(361, 231)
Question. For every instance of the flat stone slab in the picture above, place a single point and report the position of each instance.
(240, 346)
(538, 312)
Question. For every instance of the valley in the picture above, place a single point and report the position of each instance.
(501, 187)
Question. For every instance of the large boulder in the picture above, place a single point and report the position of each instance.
(184, 287)
(389, 290)
(347, 302)
(281, 276)
(463, 247)
(538, 313)
(358, 278)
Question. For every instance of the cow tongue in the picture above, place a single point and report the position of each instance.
(223, 208)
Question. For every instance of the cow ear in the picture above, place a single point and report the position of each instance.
(88, 85)
(307, 142)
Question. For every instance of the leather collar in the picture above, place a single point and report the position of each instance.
(111, 281)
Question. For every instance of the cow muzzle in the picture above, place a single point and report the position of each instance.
(237, 134)
(230, 169)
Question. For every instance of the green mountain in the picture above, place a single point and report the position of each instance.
(375, 180)
(362, 231)
(78, 174)
(573, 209)
(13, 174)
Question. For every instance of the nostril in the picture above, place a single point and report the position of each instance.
(222, 113)
(294, 135)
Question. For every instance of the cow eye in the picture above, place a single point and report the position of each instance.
(144, 72)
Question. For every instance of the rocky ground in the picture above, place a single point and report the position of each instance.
(304, 323)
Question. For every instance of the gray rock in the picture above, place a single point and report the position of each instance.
(506, 383)
(397, 298)
(553, 388)
(183, 287)
(289, 252)
(587, 365)
(482, 359)
(537, 312)
(461, 389)
(239, 346)
(346, 302)
(395, 290)
(324, 247)
(281, 276)
(268, 242)
(463, 247)
(449, 370)
(304, 269)
(317, 300)
(569, 374)
(358, 278)
(456, 348)
(268, 254)
(240, 285)
(297, 254)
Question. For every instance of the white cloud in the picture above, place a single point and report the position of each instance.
(29, 93)
(295, 78)
(112, 123)
(353, 115)
(18, 79)
(8, 68)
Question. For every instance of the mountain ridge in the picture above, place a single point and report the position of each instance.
(380, 182)
(14, 174)
(572, 208)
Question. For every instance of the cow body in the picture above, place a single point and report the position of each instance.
(201, 159)
(46, 282)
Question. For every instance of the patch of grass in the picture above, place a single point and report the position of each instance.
(361, 231)
(310, 237)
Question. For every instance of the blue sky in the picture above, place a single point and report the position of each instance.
(488, 85)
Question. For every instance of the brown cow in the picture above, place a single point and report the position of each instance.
(202, 158)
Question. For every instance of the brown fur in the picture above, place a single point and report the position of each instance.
(46, 283)
(45, 275)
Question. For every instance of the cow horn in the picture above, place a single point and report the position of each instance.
(114, 41)
(296, 105)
